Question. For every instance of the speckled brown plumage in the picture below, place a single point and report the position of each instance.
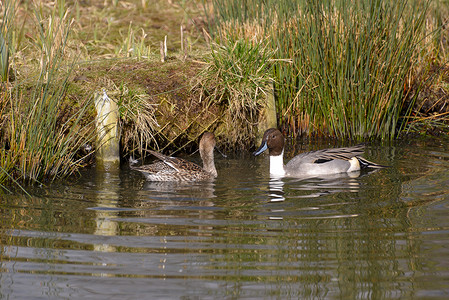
(178, 169)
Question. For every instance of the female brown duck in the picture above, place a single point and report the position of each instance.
(178, 169)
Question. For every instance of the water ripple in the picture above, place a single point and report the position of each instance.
(246, 235)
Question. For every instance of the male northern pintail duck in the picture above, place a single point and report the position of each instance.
(314, 163)
(178, 169)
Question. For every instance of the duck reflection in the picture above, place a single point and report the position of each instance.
(188, 200)
(199, 190)
(276, 189)
(327, 184)
(320, 185)
(312, 187)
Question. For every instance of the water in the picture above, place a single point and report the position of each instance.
(111, 235)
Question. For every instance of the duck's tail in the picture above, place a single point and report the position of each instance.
(133, 161)
(364, 163)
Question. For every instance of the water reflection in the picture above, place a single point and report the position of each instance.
(113, 235)
(181, 190)
(276, 189)
(319, 185)
(107, 179)
(313, 187)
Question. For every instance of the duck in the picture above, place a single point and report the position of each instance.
(315, 163)
(177, 169)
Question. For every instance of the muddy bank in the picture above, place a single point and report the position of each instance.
(161, 105)
(160, 108)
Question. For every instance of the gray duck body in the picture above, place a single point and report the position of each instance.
(313, 163)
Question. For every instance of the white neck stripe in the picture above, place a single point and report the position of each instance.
(277, 164)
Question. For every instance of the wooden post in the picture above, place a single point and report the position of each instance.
(182, 39)
(165, 47)
(162, 52)
(183, 45)
(108, 141)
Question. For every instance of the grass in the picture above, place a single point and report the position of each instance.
(137, 113)
(351, 63)
(336, 72)
(37, 143)
(5, 40)
(238, 77)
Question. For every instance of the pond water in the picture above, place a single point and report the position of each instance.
(111, 235)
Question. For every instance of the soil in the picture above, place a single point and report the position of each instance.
(166, 87)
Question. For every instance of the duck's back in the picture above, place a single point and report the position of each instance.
(326, 161)
(173, 169)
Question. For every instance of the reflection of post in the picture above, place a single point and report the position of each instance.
(107, 200)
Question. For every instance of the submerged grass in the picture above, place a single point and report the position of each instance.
(351, 62)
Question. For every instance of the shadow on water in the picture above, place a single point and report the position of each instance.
(110, 234)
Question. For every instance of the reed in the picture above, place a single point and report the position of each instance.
(38, 142)
(238, 77)
(134, 44)
(6, 27)
(350, 61)
(36, 146)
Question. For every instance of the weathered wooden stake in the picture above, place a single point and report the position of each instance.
(182, 39)
(165, 47)
(108, 134)
(162, 52)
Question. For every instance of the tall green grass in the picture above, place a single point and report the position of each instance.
(238, 77)
(134, 44)
(350, 61)
(6, 28)
(38, 142)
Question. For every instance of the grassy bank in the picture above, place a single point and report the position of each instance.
(344, 71)
(38, 141)
(61, 54)
(56, 56)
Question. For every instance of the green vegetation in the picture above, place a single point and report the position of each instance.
(5, 40)
(38, 141)
(57, 55)
(237, 77)
(359, 70)
(344, 69)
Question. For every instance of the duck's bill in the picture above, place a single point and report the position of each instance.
(219, 151)
(261, 149)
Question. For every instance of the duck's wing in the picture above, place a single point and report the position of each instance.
(325, 155)
(158, 166)
(346, 153)
(171, 164)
